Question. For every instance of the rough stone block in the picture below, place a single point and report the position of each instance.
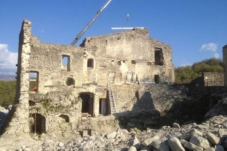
(213, 139)
(175, 144)
(150, 140)
(190, 146)
(200, 141)
(190, 133)
(159, 145)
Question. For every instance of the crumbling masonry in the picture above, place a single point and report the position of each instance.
(60, 87)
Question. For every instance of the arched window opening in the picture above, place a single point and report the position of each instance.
(37, 123)
(70, 81)
(65, 117)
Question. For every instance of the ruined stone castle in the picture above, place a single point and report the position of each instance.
(60, 87)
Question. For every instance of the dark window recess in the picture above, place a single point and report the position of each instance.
(65, 117)
(159, 59)
(156, 79)
(90, 63)
(31, 103)
(70, 81)
(87, 103)
(133, 62)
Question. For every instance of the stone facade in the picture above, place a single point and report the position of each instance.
(213, 79)
(60, 87)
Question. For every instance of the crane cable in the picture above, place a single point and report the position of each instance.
(127, 15)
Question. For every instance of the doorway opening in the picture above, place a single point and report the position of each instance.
(37, 123)
(87, 103)
(156, 79)
(103, 106)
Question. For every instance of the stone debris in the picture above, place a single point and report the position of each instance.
(212, 138)
(185, 138)
(200, 141)
(175, 144)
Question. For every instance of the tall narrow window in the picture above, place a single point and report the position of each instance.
(156, 79)
(90, 63)
(65, 63)
(159, 60)
(33, 81)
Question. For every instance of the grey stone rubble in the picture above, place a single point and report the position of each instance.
(187, 137)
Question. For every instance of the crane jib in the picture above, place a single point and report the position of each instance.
(90, 23)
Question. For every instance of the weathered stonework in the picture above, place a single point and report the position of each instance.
(213, 79)
(63, 89)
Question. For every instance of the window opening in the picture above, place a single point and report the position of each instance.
(70, 81)
(64, 117)
(156, 79)
(33, 81)
(158, 56)
(31, 103)
(90, 63)
(121, 62)
(87, 103)
(133, 62)
(65, 63)
(37, 123)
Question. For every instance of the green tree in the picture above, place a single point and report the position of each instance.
(7, 92)
(187, 73)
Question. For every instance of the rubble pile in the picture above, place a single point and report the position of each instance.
(210, 135)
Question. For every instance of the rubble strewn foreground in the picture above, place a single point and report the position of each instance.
(207, 136)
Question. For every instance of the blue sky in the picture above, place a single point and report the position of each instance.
(196, 29)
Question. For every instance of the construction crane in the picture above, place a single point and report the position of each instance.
(90, 23)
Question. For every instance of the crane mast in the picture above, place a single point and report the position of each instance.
(90, 23)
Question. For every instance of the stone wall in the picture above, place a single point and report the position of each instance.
(18, 126)
(59, 87)
(136, 50)
(213, 79)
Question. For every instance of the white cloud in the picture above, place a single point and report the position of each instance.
(216, 55)
(209, 47)
(8, 60)
(185, 64)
